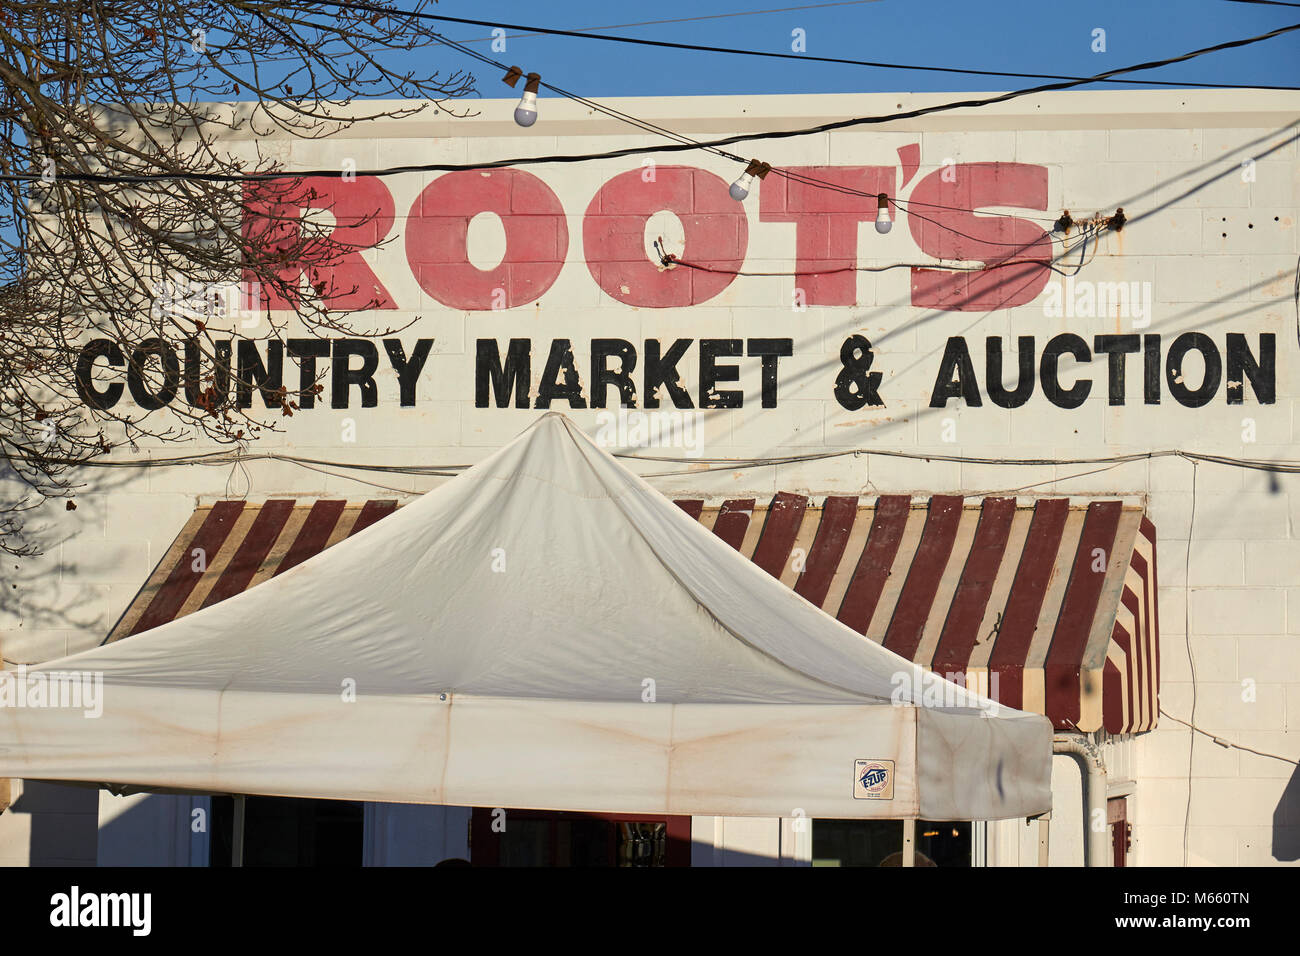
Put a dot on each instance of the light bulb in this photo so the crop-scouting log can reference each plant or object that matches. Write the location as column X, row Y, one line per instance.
column 526, row 111
column 740, row 188
column 883, row 222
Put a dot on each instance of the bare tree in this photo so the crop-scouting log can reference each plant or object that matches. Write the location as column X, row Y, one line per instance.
column 125, row 214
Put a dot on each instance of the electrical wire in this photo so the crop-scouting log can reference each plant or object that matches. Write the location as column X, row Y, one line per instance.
column 644, row 150
column 734, row 51
column 647, row 126
column 904, row 205
column 223, row 458
column 709, row 16
column 1223, row 742
column 668, row 260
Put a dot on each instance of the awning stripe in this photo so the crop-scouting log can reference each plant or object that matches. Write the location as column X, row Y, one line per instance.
column 784, row 517
column 1020, row 618
column 1009, row 563
column 216, row 561
column 837, row 517
column 314, row 534
column 1009, row 600
column 897, row 573
column 872, row 572
column 371, row 512
column 927, row 567
column 833, row 602
column 191, row 565
column 140, row 604
column 1034, row 682
column 693, row 508
column 253, row 549
column 984, row 561
column 733, row 520
column 1079, row 605
column 1145, row 563
column 946, row 591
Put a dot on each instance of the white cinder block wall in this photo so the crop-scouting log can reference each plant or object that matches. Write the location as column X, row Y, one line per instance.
column 1209, row 183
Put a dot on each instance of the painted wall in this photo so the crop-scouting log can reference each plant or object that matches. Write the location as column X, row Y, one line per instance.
column 557, row 259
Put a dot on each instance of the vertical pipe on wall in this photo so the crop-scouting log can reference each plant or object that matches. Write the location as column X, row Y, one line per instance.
column 1095, row 851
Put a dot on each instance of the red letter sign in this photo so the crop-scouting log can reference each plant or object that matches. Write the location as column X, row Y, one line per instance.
column 537, row 238
column 613, row 233
column 363, row 215
column 826, row 230
column 991, row 238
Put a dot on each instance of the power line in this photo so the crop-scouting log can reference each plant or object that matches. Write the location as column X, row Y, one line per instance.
column 710, row 16
column 1223, row 742
column 668, row 260
column 647, row 150
column 701, row 48
column 222, row 458
column 683, row 139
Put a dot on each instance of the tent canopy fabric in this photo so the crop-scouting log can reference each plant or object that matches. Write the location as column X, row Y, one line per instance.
column 1002, row 596
column 544, row 631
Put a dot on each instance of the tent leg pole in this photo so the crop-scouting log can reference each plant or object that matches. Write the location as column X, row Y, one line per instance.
column 237, row 833
column 909, row 842
column 1044, row 834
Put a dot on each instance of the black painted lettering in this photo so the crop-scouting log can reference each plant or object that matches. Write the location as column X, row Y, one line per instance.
column 1242, row 365
column 408, row 370
column 770, row 351
column 1049, row 370
column 560, row 378
column 307, row 351
column 493, row 378
column 1177, row 379
column 1115, row 348
column 137, row 375
column 662, row 370
column 212, row 391
column 343, row 376
column 711, row 373
column 267, row 379
column 956, row 378
column 1024, row 370
column 97, row 398
column 1151, row 369
column 621, row 378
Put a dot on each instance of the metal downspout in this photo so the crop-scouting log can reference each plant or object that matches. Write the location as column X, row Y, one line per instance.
column 1083, row 750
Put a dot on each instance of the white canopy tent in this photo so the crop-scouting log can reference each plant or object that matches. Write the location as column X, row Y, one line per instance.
column 544, row 631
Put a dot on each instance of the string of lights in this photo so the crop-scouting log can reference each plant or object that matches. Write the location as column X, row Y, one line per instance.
column 668, row 260
column 268, row 175
column 526, row 115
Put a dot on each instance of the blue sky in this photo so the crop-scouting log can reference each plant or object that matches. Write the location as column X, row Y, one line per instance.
column 1042, row 36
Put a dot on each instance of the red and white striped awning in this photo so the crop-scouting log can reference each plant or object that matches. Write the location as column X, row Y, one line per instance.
column 1048, row 607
